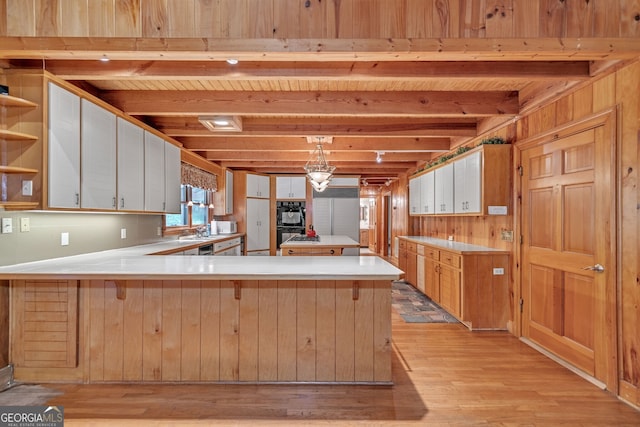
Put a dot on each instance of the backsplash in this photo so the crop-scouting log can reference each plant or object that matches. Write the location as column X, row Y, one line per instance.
column 87, row 232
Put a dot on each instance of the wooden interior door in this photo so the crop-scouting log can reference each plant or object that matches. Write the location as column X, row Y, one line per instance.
column 568, row 223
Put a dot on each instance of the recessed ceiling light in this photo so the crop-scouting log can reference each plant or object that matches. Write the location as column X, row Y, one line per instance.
column 104, row 58
column 222, row 123
column 232, row 61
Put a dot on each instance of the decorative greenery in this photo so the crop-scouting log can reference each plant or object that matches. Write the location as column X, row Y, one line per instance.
column 494, row 140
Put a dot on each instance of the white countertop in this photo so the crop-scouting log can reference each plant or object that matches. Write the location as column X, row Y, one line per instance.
column 453, row 245
column 134, row 263
column 325, row 240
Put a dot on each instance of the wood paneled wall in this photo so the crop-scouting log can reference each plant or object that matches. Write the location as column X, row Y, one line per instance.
column 320, row 19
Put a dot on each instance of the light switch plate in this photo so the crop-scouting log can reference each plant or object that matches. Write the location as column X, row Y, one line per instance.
column 7, row 225
column 123, row 233
column 25, row 225
column 64, row 239
column 498, row 271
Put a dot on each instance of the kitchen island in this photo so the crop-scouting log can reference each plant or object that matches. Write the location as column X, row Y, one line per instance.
column 123, row 316
column 319, row 245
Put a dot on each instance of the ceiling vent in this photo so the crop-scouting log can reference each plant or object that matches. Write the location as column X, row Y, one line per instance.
column 222, row 123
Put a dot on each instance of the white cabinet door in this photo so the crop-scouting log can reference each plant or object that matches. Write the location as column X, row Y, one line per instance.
column 427, row 193
column 153, row 173
column 474, row 182
column 291, row 187
column 444, row 189
column 130, row 166
column 64, row 148
column 414, row 196
column 172, row 178
column 468, row 183
column 257, row 186
column 257, row 224
column 298, row 187
column 228, row 192
column 98, row 157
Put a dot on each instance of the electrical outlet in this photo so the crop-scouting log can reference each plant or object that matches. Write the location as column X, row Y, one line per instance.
column 159, row 231
column 123, row 233
column 7, row 225
column 498, row 271
column 24, row 225
column 64, row 239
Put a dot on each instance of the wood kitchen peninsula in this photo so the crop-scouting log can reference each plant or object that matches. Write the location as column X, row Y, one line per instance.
column 122, row 316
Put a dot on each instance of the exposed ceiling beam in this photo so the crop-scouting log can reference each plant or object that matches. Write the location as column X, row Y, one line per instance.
column 403, row 104
column 284, row 156
column 300, row 144
column 278, row 49
column 299, row 70
column 390, row 127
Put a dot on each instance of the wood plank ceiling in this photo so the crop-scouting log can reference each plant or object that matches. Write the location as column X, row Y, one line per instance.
column 403, row 111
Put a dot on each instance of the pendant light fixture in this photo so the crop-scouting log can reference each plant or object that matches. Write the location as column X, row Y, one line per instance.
column 318, row 170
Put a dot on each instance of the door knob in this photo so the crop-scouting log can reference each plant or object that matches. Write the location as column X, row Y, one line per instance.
column 597, row 268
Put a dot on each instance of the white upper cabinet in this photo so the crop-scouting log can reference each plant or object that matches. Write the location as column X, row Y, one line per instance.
column 427, row 193
column 130, row 166
column 291, row 187
column 64, row 148
column 477, row 182
column 468, row 183
column 444, row 189
column 414, row 196
column 98, row 157
column 154, row 185
column 257, row 186
column 172, row 178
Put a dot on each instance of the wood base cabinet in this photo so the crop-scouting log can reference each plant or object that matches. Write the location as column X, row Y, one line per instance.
column 473, row 286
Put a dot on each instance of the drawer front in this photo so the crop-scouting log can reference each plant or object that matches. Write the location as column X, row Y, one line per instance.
column 431, row 253
column 226, row 244
column 411, row 247
column 402, row 244
column 450, row 259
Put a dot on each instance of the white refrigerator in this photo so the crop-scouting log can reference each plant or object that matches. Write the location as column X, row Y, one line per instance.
column 336, row 211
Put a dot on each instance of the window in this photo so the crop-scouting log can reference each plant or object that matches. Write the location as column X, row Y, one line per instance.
column 195, row 209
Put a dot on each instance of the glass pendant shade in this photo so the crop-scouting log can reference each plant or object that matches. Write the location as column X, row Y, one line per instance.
column 318, row 170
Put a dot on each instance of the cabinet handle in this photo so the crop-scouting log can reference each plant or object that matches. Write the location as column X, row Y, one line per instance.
column 122, row 202
column 77, row 199
column 113, row 202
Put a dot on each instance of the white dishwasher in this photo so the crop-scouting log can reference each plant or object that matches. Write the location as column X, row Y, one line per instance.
column 231, row 247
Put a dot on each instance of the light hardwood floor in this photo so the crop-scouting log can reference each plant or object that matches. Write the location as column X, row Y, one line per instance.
column 443, row 375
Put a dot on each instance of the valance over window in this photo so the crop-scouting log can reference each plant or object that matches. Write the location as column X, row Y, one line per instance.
column 197, row 177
